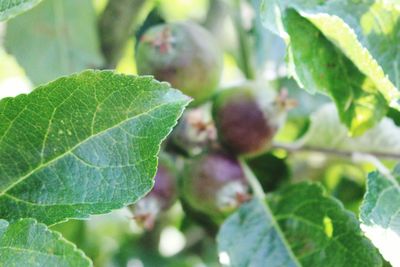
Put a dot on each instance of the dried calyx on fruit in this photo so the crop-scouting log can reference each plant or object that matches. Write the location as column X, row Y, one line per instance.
column 160, row 198
column 214, row 184
column 248, row 116
column 195, row 132
column 183, row 54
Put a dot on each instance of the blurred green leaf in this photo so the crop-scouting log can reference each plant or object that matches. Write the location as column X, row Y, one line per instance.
column 54, row 39
column 298, row 119
column 394, row 115
column 83, row 144
column 268, row 47
column 349, row 192
column 270, row 170
column 28, row 243
column 306, row 103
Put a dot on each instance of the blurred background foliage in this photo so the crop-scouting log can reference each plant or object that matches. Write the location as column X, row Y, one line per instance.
column 250, row 51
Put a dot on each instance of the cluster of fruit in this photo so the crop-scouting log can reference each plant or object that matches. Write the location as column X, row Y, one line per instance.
column 218, row 128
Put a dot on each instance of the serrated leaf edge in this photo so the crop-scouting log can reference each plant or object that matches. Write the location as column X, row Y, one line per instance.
column 23, row 7
column 55, row 234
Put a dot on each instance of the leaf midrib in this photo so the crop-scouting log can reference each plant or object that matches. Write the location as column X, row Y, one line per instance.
column 275, row 225
column 43, row 165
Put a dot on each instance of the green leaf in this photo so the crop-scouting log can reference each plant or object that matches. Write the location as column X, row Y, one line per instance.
column 347, row 49
column 380, row 214
column 12, row 8
column 326, row 132
column 28, row 243
column 250, row 237
column 83, row 144
column 62, row 38
column 305, row 228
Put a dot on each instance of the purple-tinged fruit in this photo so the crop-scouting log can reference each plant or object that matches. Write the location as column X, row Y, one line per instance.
column 247, row 117
column 214, row 184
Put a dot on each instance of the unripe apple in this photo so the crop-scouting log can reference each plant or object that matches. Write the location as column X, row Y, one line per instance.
column 183, row 54
column 214, row 184
column 247, row 118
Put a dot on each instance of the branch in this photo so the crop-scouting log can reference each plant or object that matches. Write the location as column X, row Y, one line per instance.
column 115, row 27
column 336, row 152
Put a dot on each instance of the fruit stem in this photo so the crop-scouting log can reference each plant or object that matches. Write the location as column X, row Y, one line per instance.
column 252, row 179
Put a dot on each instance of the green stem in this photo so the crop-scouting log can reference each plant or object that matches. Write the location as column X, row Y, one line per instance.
column 244, row 44
column 252, row 179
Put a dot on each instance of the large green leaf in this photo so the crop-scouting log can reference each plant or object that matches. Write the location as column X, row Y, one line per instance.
column 380, row 214
column 61, row 37
column 28, row 243
column 11, row 8
column 84, row 144
column 348, row 49
column 305, row 228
